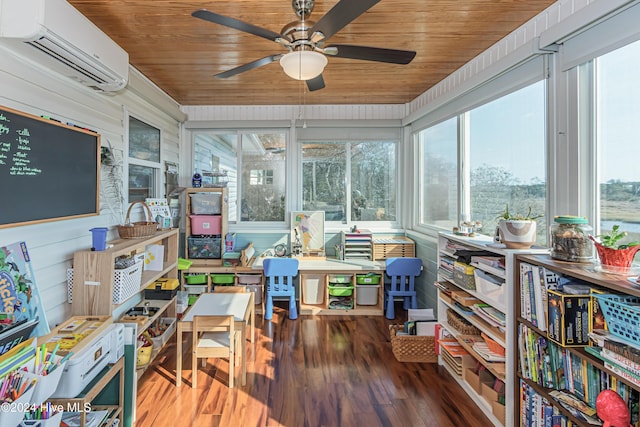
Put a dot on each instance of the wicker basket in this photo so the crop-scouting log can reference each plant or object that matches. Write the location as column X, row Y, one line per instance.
column 139, row 229
column 458, row 323
column 412, row 348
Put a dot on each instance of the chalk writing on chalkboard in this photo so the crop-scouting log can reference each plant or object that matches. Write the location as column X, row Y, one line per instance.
column 48, row 170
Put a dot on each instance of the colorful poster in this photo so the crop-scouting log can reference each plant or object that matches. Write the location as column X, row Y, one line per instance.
column 19, row 295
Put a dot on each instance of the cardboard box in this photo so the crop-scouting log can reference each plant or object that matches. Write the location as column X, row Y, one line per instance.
column 487, row 391
column 475, row 381
column 499, row 411
column 568, row 318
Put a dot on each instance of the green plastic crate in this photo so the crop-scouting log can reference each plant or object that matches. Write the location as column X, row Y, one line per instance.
column 195, row 279
column 368, row 279
column 339, row 278
column 340, row 291
column 221, row 279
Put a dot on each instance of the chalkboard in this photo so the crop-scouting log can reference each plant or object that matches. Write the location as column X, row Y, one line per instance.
column 48, row 170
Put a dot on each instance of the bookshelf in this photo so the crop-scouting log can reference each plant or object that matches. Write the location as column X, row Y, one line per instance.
column 550, row 370
column 492, row 279
column 357, row 245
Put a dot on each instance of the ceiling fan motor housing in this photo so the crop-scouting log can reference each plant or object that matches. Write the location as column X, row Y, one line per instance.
column 303, row 8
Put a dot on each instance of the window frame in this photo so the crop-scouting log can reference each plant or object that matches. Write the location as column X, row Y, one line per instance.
column 156, row 167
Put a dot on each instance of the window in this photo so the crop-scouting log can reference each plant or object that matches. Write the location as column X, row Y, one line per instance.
column 617, row 112
column 507, row 157
column 497, row 149
column 144, row 160
column 254, row 168
column 369, row 193
column 438, row 147
column 263, row 176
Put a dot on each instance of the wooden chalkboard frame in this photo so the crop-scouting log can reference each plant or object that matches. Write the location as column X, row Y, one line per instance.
column 49, row 171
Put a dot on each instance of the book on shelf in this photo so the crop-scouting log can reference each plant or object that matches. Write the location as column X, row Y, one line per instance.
column 535, row 281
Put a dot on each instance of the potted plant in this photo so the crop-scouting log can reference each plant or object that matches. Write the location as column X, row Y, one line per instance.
column 517, row 231
column 615, row 257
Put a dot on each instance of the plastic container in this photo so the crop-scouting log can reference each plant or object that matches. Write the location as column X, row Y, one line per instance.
column 195, row 279
column 195, row 289
column 339, row 278
column 99, row 238
column 203, row 247
column 206, row 224
column 249, row 279
column 367, row 294
column 223, row 279
column 570, row 239
column 257, row 293
column 341, row 290
column 313, row 289
column 206, row 203
column 368, row 279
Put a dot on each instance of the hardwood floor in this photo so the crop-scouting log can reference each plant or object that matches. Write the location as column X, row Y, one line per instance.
column 313, row 371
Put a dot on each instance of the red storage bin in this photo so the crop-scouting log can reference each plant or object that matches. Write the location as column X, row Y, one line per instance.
column 206, row 224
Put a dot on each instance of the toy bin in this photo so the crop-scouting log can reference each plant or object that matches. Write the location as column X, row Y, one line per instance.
column 313, row 288
column 195, row 289
column 257, row 293
column 206, row 224
column 204, row 247
column 195, row 279
column 463, row 275
column 206, row 203
column 223, row 279
column 249, row 279
column 341, row 290
column 367, row 294
column 368, row 279
column 339, row 278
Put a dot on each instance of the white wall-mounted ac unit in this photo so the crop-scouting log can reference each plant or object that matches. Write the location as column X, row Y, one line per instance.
column 55, row 34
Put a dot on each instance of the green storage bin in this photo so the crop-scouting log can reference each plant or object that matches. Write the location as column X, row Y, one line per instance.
column 192, row 299
column 340, row 291
column 222, row 279
column 368, row 279
column 195, row 279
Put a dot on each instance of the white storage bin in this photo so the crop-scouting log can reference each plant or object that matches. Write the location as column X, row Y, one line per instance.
column 46, row 385
column 367, row 294
column 126, row 282
column 161, row 340
column 313, row 288
column 13, row 418
column 196, row 289
column 249, row 279
column 257, row 293
column 490, row 287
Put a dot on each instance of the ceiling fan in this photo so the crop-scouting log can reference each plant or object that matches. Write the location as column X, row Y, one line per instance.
column 305, row 41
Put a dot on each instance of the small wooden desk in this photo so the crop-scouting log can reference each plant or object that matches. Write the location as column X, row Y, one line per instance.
column 240, row 305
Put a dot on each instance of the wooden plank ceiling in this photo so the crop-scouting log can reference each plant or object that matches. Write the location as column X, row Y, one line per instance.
column 180, row 53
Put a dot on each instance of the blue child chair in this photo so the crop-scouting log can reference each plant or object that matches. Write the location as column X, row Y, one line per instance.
column 403, row 272
column 280, row 273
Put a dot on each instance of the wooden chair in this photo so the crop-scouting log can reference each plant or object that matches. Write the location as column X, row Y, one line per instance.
column 403, row 272
column 214, row 336
column 230, row 289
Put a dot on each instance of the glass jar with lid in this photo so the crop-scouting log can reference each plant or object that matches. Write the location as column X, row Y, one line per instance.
column 570, row 239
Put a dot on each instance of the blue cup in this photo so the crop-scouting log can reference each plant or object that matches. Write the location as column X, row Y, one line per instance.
column 99, row 235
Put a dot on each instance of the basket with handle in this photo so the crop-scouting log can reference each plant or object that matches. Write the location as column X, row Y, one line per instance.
column 138, row 229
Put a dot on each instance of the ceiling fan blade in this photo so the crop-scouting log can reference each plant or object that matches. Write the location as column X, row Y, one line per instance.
column 340, row 15
column 392, row 56
column 235, row 24
column 250, row 66
column 315, row 83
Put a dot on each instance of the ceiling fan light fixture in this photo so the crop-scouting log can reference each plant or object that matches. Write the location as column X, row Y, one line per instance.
column 303, row 64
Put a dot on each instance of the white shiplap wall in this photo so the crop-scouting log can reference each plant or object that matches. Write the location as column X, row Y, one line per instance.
column 25, row 86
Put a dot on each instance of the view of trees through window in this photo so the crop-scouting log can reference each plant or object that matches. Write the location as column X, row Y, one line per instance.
column 617, row 112
column 507, row 157
column 504, row 144
column 370, row 192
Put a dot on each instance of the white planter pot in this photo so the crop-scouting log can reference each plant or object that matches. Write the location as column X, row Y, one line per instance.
column 517, row 234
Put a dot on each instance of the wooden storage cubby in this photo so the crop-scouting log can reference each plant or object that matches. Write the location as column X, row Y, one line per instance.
column 224, row 209
column 93, row 273
column 323, row 298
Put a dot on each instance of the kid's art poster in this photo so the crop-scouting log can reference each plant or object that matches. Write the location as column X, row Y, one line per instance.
column 19, row 294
